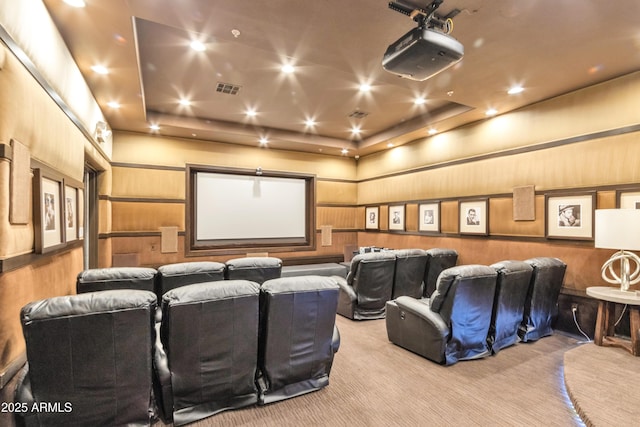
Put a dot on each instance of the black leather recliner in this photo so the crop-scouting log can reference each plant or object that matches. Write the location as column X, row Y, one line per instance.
column 90, row 354
column 408, row 279
column 453, row 324
column 298, row 336
column 541, row 305
column 171, row 276
column 255, row 269
column 508, row 305
column 207, row 349
column 438, row 260
column 103, row 279
column 368, row 286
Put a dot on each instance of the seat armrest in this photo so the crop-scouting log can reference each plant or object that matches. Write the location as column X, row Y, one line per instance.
column 421, row 308
column 346, row 288
column 335, row 341
column 162, row 379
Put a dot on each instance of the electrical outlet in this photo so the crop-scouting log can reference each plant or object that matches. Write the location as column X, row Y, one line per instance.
column 574, row 307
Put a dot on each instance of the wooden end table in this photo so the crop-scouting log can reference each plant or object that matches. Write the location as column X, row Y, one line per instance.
column 605, row 322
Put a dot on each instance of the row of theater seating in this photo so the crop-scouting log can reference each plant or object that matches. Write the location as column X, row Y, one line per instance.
column 377, row 277
column 477, row 310
column 219, row 345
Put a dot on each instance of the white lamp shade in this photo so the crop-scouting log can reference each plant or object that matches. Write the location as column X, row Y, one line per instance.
column 618, row 229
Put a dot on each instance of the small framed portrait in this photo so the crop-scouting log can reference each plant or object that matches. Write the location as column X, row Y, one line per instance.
column 628, row 199
column 474, row 216
column 48, row 211
column 570, row 216
column 396, row 217
column 371, row 220
column 429, row 217
column 70, row 213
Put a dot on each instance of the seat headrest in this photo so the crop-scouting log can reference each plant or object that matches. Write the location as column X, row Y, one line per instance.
column 209, row 291
column 89, row 303
column 254, row 262
column 539, row 262
column 460, row 272
column 299, row 284
column 408, row 253
column 116, row 273
column 441, row 252
column 511, row 266
column 191, row 268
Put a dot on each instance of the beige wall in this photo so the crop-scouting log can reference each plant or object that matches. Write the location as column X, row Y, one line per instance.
column 30, row 116
column 148, row 192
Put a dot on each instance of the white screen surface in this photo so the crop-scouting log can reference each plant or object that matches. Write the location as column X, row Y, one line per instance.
column 233, row 207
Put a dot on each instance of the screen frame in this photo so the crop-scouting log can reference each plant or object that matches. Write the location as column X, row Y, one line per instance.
column 200, row 247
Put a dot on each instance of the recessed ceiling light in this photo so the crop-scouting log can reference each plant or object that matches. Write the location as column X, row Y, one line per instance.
column 75, row 3
column 100, row 69
column 344, row 151
column 355, row 130
column 235, row 32
column 198, row 46
column 185, row 102
column 154, row 126
column 288, row 68
column 432, row 131
column 264, row 140
column 251, row 112
column 491, row 112
column 390, row 144
column 365, row 87
column 310, row 123
column 515, row 90
column 113, row 104
column 419, row 100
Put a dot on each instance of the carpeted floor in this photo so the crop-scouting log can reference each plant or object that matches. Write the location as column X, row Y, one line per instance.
column 375, row 383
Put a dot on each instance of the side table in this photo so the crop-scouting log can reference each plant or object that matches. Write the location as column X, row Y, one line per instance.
column 605, row 322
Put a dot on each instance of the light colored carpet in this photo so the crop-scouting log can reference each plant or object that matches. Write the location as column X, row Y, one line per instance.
column 604, row 385
column 376, row 383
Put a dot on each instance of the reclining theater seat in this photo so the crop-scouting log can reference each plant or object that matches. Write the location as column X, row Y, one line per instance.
column 453, row 324
column 255, row 269
column 541, row 305
column 368, row 286
column 103, row 279
column 207, row 349
column 173, row 276
column 92, row 353
column 409, row 273
column 508, row 305
column 298, row 336
column 438, row 259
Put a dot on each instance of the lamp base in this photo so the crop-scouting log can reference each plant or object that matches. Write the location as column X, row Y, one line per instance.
column 626, row 278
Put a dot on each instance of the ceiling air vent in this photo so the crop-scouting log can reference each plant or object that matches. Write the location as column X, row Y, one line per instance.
column 357, row 114
column 227, row 88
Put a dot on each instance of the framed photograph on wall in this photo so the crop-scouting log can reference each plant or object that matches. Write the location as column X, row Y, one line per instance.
column 429, row 217
column 371, row 220
column 70, row 213
column 570, row 216
column 48, row 211
column 474, row 217
column 628, row 199
column 396, row 217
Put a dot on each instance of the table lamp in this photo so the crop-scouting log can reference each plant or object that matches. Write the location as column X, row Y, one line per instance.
column 619, row 229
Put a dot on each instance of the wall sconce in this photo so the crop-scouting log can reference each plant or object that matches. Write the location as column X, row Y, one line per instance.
column 619, row 229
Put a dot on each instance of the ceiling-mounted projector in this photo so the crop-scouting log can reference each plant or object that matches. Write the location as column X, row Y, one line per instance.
column 422, row 53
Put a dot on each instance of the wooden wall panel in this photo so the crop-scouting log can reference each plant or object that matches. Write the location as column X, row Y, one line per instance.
column 338, row 217
column 148, row 183
column 570, row 166
column 597, row 108
column 411, row 217
column 449, row 217
column 336, row 192
column 130, row 216
column 501, row 219
column 606, row 200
